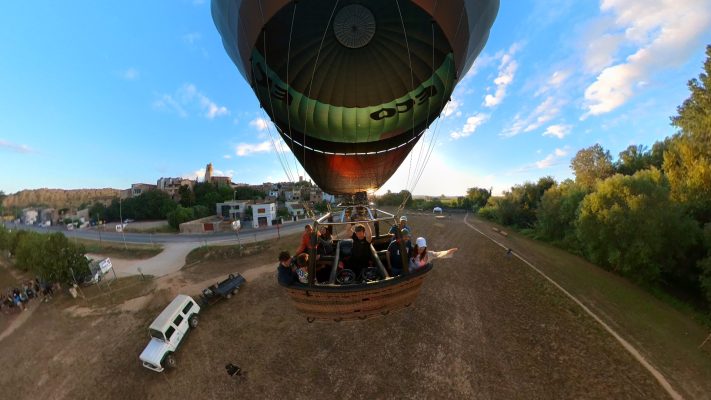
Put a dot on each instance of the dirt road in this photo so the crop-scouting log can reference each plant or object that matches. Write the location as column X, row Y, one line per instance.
column 485, row 326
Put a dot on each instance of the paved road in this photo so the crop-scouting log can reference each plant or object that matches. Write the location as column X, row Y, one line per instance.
column 246, row 234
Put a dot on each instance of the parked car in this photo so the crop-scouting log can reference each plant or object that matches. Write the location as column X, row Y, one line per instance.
column 167, row 332
column 225, row 289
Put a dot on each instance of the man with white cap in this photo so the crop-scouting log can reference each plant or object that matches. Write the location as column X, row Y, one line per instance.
column 402, row 225
column 421, row 256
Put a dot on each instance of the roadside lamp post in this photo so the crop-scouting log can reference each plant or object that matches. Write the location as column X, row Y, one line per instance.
column 121, row 223
column 236, row 226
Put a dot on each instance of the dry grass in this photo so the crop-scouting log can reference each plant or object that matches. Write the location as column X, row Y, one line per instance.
column 484, row 326
column 130, row 251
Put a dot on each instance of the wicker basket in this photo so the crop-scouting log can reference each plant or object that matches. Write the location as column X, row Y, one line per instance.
column 343, row 303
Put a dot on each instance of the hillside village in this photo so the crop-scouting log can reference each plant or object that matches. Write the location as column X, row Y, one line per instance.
column 257, row 205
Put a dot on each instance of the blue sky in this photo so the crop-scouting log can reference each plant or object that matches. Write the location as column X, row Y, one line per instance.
column 104, row 94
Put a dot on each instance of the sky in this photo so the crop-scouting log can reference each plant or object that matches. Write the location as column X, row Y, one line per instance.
column 98, row 94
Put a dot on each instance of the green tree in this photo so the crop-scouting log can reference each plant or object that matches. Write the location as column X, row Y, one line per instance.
column 591, row 164
column 179, row 215
column 687, row 162
column 5, row 240
column 630, row 225
column 30, row 251
column 63, row 260
column 395, row 199
column 187, row 197
column 97, row 211
column 478, row 197
column 247, row 193
column 518, row 206
column 558, row 211
column 2, row 200
column 202, row 211
column 632, row 159
column 704, row 265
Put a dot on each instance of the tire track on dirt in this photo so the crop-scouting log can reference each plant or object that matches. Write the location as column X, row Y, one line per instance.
column 625, row 344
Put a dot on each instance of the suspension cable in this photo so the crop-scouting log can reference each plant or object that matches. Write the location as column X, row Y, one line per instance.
column 412, row 82
column 254, row 86
column 435, row 133
column 288, row 84
column 313, row 74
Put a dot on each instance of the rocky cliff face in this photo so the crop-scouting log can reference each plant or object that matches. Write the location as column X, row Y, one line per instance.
column 59, row 198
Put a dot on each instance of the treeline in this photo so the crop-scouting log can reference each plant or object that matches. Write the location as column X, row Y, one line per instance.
column 51, row 257
column 194, row 203
column 647, row 215
column 475, row 199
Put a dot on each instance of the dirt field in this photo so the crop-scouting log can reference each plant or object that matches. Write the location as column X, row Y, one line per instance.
column 484, row 326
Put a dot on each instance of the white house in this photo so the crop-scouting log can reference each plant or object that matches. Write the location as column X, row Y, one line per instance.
column 295, row 208
column 232, row 210
column 263, row 214
column 292, row 195
column 29, row 216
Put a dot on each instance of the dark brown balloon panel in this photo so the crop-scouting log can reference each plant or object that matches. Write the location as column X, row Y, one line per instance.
column 352, row 85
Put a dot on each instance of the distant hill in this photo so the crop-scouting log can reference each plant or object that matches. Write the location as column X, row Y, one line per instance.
column 59, row 198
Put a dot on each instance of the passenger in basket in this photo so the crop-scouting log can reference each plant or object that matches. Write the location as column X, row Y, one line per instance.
column 402, row 225
column 360, row 254
column 302, row 268
column 286, row 272
column 394, row 256
column 305, row 244
column 325, row 242
column 421, row 256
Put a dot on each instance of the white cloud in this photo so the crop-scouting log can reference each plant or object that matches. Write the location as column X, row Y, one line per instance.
column 544, row 112
column 167, row 101
column 227, row 156
column 663, row 33
column 507, row 71
column 470, row 126
column 192, row 37
column 601, row 50
column 559, row 131
column 189, row 97
column 482, row 61
column 451, row 107
column 558, row 78
column 14, row 147
column 555, row 81
column 260, row 123
column 130, row 74
column 245, row 149
column 551, row 159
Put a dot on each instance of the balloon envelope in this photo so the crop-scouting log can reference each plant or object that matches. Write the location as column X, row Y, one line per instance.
column 352, row 85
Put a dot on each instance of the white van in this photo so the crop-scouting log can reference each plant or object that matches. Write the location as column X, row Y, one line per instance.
column 167, row 331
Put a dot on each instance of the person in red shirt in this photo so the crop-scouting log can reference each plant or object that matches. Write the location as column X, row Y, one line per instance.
column 305, row 244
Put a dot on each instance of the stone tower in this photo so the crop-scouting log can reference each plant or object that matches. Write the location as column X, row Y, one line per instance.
column 208, row 173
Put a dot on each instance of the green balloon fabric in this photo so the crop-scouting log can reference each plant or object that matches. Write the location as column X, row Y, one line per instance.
column 352, row 85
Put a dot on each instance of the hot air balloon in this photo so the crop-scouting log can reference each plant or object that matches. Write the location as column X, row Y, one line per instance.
column 351, row 86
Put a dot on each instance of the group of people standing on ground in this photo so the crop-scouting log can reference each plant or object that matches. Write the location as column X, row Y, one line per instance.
column 19, row 298
column 359, row 255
